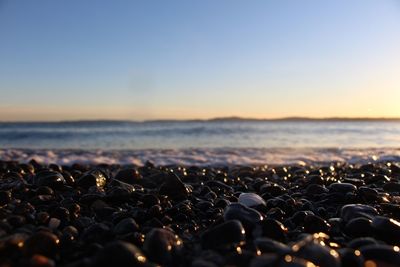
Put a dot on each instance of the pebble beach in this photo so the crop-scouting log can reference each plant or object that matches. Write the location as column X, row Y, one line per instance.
column 329, row 215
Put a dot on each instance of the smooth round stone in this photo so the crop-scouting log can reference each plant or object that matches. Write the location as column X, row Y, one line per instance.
column 125, row 226
column 94, row 178
column 43, row 243
column 247, row 216
column 97, row 233
column 50, row 178
column 272, row 189
column 316, row 189
column 381, row 255
column 358, row 227
column 312, row 249
column 162, row 246
column 342, row 187
column 129, row 176
column 351, row 211
column 224, row 235
column 299, row 216
column 173, row 187
column 271, row 228
column 386, row 229
column 251, row 200
column 121, row 254
column 315, row 224
column 367, row 193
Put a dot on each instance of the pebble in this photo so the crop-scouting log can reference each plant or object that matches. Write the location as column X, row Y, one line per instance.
column 50, row 178
column 173, row 187
column 342, row 187
column 225, row 234
column 251, row 200
column 42, row 243
column 358, row 227
column 386, row 229
column 129, row 176
column 162, row 246
column 352, row 211
column 313, row 248
column 247, row 216
column 94, row 178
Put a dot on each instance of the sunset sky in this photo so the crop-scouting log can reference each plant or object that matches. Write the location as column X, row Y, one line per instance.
column 74, row 59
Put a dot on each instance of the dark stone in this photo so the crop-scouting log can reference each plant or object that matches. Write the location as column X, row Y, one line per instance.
column 94, row 178
column 271, row 228
column 342, row 188
column 272, row 189
column 351, row 211
column 299, row 216
column 386, row 229
column 310, row 248
column 173, row 187
column 247, row 216
column 43, row 243
column 316, row 189
column 50, row 178
column 225, row 234
column 129, row 176
column 162, row 246
column 358, row 227
column 315, row 224
column 126, row 226
column 367, row 193
column 97, row 233
column 251, row 200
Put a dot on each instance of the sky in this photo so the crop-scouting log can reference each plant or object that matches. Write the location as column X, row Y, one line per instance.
column 139, row 60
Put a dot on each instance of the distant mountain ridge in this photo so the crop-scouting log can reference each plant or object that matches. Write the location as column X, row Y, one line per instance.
column 217, row 119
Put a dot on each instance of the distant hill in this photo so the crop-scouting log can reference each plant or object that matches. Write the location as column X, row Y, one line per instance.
column 218, row 119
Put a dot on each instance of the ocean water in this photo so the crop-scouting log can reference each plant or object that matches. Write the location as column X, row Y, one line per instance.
column 201, row 142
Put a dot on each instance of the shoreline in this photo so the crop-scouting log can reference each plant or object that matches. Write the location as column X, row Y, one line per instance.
column 206, row 156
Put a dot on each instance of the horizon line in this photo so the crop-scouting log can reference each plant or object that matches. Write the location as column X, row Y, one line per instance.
column 214, row 119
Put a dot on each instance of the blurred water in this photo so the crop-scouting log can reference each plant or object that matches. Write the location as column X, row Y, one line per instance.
column 182, row 135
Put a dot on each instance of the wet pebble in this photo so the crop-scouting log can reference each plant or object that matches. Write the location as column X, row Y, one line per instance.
column 251, row 200
column 225, row 234
column 247, row 216
column 162, row 246
column 352, row 211
column 386, row 229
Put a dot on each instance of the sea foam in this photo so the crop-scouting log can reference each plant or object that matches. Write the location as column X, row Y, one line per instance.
column 205, row 156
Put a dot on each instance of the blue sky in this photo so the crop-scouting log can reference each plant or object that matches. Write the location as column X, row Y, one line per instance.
column 198, row 59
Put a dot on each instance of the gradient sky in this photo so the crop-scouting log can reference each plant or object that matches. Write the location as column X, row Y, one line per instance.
column 75, row 59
